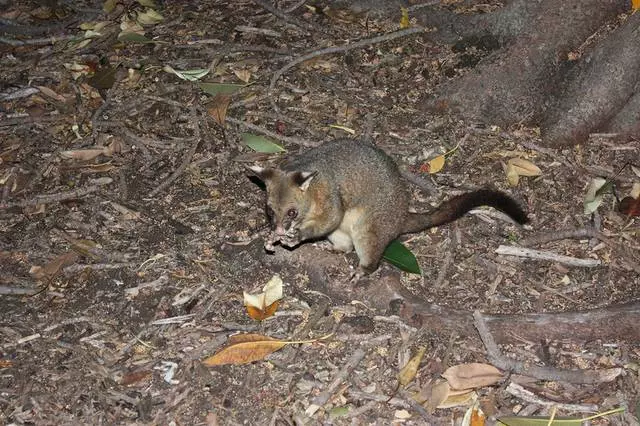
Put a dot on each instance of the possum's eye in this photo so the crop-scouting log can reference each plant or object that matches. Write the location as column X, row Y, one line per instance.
column 292, row 213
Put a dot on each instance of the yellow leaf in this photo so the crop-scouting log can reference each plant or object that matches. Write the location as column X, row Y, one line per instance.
column 436, row 164
column 404, row 20
column 409, row 371
column 343, row 128
column 472, row 375
column 245, row 348
column 635, row 5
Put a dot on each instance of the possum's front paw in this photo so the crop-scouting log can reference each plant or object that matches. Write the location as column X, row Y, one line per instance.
column 290, row 241
column 269, row 244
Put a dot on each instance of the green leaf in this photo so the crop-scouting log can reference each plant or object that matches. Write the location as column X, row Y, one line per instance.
column 398, row 255
column 128, row 37
column 220, row 88
column 261, row 144
column 539, row 421
column 189, row 75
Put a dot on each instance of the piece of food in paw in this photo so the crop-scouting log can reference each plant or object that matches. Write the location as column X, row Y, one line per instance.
column 269, row 244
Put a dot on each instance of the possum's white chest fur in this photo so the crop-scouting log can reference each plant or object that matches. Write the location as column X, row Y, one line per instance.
column 342, row 238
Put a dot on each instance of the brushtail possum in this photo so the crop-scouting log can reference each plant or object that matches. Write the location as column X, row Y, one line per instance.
column 352, row 193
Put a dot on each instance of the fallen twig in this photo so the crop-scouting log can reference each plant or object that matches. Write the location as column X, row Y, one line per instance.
column 287, row 139
column 61, row 196
column 337, row 49
column 186, row 160
column 526, row 395
column 283, row 15
column 541, row 373
column 347, row 369
column 559, row 235
column 6, row 290
column 545, row 255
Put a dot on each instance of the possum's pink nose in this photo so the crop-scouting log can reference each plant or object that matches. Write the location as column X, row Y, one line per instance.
column 280, row 230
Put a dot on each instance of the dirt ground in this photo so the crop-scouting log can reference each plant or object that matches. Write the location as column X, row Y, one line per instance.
column 138, row 257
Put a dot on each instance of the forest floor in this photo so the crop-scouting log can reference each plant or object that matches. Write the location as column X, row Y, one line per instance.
column 129, row 228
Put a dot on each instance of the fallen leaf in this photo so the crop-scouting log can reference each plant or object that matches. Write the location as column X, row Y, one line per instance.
column 263, row 305
column 409, row 371
column 135, row 377
column 51, row 94
column 635, row 190
column 220, row 88
column 131, row 37
column 404, row 20
column 635, row 5
column 103, row 78
column 472, row 375
column 219, row 109
column 53, row 268
column 436, row 164
column 593, row 198
column 188, row 75
column 261, row 144
column 82, row 154
column 437, row 394
column 629, row 206
column 400, row 256
column 459, row 399
column 109, row 5
column 243, row 75
column 245, row 348
column 149, row 17
column 148, row 3
column 517, row 167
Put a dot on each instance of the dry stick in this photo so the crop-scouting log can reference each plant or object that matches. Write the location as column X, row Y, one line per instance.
column 337, row 49
column 322, row 399
column 540, row 373
column 282, row 15
column 426, row 185
column 61, row 196
column 38, row 41
column 526, row 395
column 574, row 234
column 17, row 291
column 287, row 139
column 546, row 255
column 185, row 162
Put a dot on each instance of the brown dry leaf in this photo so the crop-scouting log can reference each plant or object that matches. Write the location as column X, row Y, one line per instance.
column 409, row 371
column 517, row 167
column 51, row 269
column 243, row 74
column 263, row 305
column 82, row 154
column 439, row 391
column 219, row 109
column 135, row 377
column 245, row 348
column 51, row 94
column 472, row 375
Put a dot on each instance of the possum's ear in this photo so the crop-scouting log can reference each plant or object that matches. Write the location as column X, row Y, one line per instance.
column 303, row 179
column 263, row 173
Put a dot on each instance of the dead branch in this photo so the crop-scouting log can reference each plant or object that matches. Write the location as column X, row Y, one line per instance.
column 269, row 133
column 338, row 49
column 61, row 196
column 186, row 160
column 545, row 255
column 345, row 371
column 540, row 373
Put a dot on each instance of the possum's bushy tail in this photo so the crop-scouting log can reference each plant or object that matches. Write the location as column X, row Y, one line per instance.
column 458, row 206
